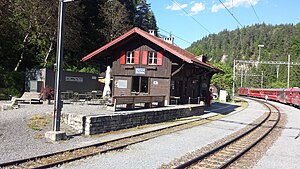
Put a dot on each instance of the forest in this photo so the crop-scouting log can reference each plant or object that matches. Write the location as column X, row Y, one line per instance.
column 29, row 34
column 278, row 42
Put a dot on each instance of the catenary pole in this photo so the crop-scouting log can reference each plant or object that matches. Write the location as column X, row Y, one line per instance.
column 58, row 68
column 288, row 75
column 262, row 79
column 233, row 79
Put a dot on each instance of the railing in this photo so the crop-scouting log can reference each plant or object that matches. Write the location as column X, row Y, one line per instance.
column 70, row 96
column 194, row 100
column 130, row 101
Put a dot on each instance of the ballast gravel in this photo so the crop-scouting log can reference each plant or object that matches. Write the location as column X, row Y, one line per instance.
column 285, row 152
column 155, row 152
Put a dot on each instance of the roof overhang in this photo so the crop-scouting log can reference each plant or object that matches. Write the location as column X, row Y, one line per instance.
column 175, row 50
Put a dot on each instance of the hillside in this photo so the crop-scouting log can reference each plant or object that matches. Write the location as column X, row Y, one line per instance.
column 279, row 41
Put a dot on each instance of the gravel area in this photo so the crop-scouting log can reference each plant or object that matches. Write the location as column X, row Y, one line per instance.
column 285, row 152
column 19, row 141
column 153, row 153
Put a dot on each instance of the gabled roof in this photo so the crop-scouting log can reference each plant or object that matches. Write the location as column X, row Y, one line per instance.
column 175, row 50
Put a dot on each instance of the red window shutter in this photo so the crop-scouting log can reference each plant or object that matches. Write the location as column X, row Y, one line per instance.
column 136, row 57
column 145, row 58
column 122, row 58
column 159, row 58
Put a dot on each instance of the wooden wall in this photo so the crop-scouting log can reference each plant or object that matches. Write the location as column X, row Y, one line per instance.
column 160, row 86
column 191, row 81
column 159, row 75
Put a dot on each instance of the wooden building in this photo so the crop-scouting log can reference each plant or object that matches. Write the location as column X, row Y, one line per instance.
column 145, row 65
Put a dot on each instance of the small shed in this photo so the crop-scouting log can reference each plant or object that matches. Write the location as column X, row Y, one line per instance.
column 37, row 79
column 145, row 65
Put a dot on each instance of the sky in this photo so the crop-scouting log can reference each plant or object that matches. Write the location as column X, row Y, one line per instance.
column 192, row 20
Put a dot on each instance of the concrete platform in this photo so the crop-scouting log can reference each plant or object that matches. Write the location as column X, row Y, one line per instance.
column 90, row 123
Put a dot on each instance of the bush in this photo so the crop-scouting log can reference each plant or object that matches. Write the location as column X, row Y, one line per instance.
column 11, row 83
column 47, row 93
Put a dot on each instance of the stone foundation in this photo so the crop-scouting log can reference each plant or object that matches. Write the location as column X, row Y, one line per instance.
column 95, row 124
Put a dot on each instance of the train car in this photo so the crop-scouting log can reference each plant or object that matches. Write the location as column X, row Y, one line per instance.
column 295, row 96
column 287, row 96
column 243, row 91
column 281, row 93
column 254, row 92
column 272, row 94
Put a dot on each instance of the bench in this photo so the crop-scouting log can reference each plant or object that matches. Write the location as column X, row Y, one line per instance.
column 30, row 97
column 130, row 101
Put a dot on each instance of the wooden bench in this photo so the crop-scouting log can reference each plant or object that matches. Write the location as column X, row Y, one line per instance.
column 29, row 97
column 130, row 101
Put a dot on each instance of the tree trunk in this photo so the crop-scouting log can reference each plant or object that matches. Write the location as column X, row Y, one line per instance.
column 47, row 55
column 22, row 54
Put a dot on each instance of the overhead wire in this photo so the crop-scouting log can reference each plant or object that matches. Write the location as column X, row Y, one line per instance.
column 254, row 12
column 175, row 36
column 231, row 14
column 174, row 1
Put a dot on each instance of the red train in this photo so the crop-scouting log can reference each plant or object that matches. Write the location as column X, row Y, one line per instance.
column 288, row 96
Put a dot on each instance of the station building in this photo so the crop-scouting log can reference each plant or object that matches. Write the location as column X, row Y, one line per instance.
column 145, row 65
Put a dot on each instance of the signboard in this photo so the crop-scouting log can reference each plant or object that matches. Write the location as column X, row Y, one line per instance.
column 140, row 71
column 74, row 79
column 223, row 95
column 122, row 84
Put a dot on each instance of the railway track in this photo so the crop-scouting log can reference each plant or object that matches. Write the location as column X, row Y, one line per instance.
column 58, row 158
column 227, row 153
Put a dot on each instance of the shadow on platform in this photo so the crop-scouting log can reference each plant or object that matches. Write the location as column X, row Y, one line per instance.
column 221, row 108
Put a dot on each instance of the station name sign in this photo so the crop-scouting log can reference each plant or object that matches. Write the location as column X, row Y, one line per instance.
column 74, row 79
column 140, row 71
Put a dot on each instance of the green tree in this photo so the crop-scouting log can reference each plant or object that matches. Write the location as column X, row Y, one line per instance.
column 223, row 81
column 114, row 25
column 144, row 17
column 242, row 44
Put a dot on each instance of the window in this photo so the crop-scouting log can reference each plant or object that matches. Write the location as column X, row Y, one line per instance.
column 139, row 84
column 130, row 57
column 152, row 58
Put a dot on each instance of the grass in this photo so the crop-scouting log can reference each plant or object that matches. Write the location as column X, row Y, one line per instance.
column 38, row 122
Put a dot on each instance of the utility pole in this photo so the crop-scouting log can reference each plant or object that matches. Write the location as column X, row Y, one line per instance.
column 288, row 76
column 242, row 76
column 277, row 71
column 262, row 79
column 56, row 134
column 233, row 82
column 259, row 46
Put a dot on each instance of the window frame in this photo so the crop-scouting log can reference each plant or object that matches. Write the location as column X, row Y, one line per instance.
column 129, row 59
column 152, row 58
column 137, row 82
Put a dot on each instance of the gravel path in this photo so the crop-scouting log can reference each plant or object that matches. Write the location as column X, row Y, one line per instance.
column 18, row 141
column 155, row 152
column 285, row 152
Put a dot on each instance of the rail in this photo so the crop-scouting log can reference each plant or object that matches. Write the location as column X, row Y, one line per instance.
column 204, row 159
column 73, row 154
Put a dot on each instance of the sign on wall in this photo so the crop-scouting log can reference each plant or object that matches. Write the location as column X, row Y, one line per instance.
column 122, row 84
column 74, row 79
column 140, row 71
